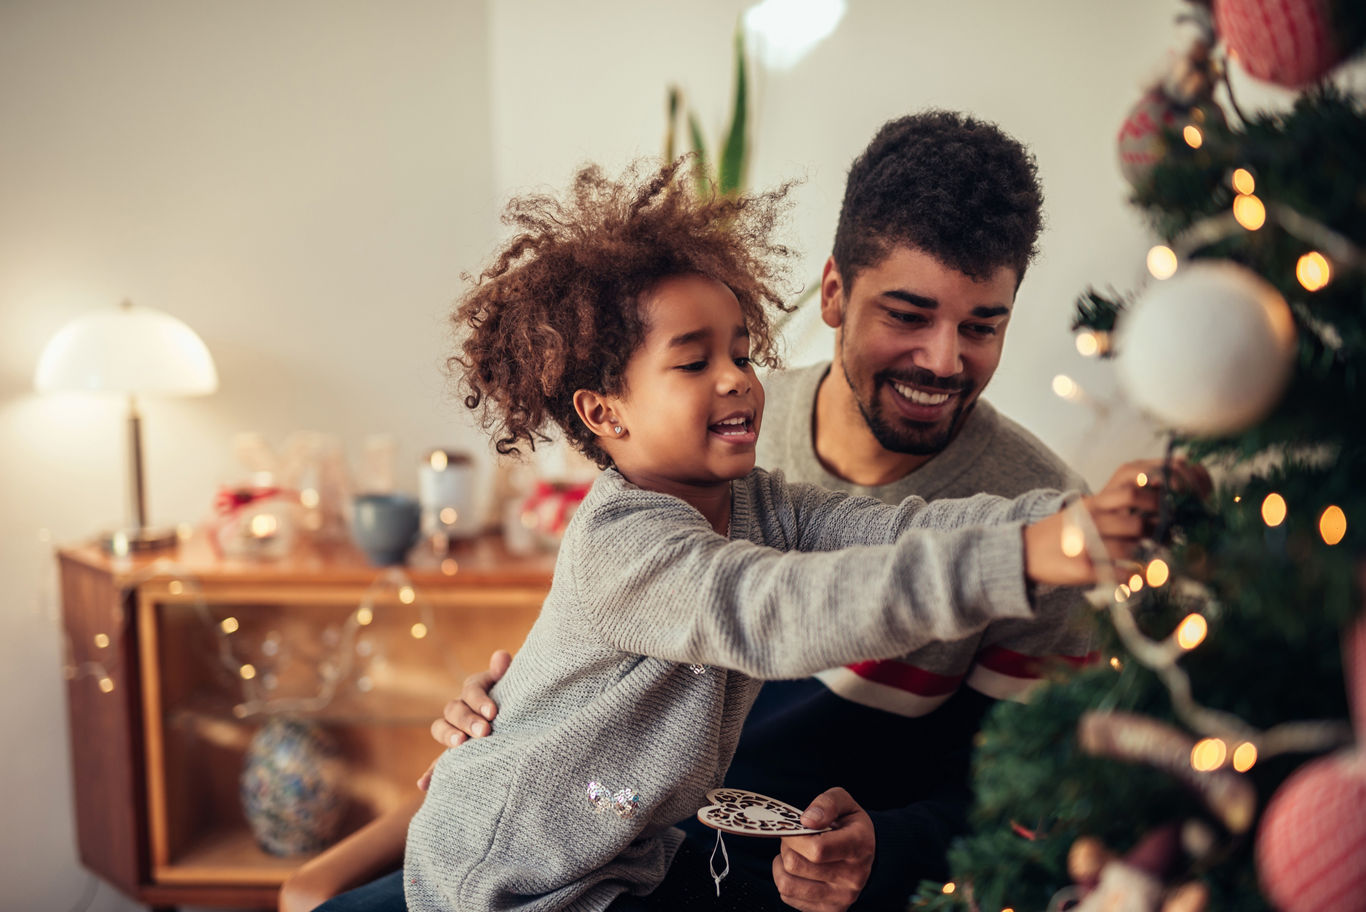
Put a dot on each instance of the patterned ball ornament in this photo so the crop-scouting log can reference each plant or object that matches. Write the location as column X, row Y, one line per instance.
column 291, row 787
column 1287, row 42
column 1311, row 847
column 1140, row 142
column 1208, row 351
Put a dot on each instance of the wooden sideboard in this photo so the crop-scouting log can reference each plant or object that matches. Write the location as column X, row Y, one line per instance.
column 174, row 661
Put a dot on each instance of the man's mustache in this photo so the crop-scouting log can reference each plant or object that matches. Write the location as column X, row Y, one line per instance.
column 927, row 379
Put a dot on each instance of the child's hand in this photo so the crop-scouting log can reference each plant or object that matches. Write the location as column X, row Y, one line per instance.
column 470, row 715
column 1123, row 512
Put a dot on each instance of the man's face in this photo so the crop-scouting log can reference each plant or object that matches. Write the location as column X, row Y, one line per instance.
column 917, row 341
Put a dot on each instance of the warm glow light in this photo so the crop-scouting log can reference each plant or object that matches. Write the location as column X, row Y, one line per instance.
column 1142, row 480
column 1193, row 137
column 1162, row 262
column 1208, row 754
column 1065, row 387
column 364, row 615
column 1088, row 345
column 438, row 460
column 1243, row 182
column 1192, row 631
column 247, row 671
column 101, row 641
column 1249, row 212
column 106, row 684
column 1237, row 498
column 1135, row 583
column 448, row 516
column 1122, row 593
column 1333, row 525
column 949, row 887
column 263, row 525
column 175, row 587
column 1313, row 271
column 310, row 498
column 419, row 630
column 1116, row 664
column 1073, row 540
column 449, row 566
column 1244, row 756
column 406, row 595
column 1157, row 572
column 1273, row 510
column 229, row 625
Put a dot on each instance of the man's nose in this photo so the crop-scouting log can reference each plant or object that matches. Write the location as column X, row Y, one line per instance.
column 940, row 354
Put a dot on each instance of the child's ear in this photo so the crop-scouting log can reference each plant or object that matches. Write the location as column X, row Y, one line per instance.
column 597, row 413
column 832, row 295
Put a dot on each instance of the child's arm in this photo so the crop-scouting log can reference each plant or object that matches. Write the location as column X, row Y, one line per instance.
column 654, row 579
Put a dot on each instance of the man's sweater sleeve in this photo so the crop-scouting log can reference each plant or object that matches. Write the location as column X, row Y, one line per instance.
column 654, row 579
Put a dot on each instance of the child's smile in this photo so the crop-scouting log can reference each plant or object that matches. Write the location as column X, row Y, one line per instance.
column 692, row 407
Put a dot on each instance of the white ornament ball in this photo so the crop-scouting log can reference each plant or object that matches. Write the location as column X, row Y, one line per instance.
column 1208, row 351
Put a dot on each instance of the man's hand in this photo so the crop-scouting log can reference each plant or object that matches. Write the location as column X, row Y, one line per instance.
column 826, row 872
column 471, row 714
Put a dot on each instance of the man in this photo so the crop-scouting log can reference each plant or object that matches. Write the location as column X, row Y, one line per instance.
column 940, row 220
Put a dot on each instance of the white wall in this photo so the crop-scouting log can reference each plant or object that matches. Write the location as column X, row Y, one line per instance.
column 302, row 183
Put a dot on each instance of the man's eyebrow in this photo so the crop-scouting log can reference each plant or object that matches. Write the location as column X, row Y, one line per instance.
column 986, row 312
column 912, row 298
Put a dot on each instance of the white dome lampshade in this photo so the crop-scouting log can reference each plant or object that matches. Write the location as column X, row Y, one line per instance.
column 135, row 351
column 130, row 349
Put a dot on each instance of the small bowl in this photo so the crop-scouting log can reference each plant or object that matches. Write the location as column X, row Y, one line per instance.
column 385, row 526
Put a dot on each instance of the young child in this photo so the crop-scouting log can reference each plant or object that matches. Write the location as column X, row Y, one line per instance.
column 631, row 315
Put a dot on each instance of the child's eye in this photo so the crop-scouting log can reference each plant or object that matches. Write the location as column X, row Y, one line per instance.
column 743, row 361
column 693, row 367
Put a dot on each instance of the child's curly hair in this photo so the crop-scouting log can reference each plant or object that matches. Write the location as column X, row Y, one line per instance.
column 559, row 309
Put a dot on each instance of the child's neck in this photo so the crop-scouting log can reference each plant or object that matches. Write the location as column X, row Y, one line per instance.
column 711, row 500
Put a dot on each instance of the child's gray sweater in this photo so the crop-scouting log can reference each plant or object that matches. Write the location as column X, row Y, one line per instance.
column 604, row 689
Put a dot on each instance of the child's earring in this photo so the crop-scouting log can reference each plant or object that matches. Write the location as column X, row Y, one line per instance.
column 618, row 429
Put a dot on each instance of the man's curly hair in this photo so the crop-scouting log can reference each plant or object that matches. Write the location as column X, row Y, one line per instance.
column 955, row 187
column 560, row 308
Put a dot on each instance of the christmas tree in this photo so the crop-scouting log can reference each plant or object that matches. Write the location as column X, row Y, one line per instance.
column 1210, row 760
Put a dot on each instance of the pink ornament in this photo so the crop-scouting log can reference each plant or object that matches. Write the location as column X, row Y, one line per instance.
column 1311, row 847
column 1288, row 42
column 1141, row 143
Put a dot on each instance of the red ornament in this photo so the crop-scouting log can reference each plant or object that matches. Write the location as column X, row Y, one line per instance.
column 1288, row 42
column 1311, row 847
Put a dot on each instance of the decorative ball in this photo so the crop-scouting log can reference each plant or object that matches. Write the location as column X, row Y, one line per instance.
column 1288, row 42
column 1140, row 142
column 291, row 787
column 1311, row 847
column 1207, row 351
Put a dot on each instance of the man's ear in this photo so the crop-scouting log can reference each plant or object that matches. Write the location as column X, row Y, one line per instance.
column 596, row 412
column 832, row 295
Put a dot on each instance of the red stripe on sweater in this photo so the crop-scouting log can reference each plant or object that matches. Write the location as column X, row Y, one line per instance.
column 907, row 677
column 1018, row 665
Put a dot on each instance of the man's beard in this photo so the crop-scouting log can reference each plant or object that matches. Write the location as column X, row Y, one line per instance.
column 898, row 435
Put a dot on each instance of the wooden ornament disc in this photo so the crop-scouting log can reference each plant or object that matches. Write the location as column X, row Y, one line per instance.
column 751, row 814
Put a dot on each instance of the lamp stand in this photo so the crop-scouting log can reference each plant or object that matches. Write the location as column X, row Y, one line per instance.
column 139, row 537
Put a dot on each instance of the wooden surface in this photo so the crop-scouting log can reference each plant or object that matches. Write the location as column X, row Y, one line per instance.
column 156, row 762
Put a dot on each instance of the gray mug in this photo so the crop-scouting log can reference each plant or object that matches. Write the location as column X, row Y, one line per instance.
column 385, row 526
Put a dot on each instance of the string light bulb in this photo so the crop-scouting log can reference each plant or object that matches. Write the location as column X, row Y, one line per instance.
column 418, row 630
column 247, row 671
column 1088, row 344
column 1158, row 572
column 450, row 567
column 1312, row 271
column 949, row 888
column 439, row 460
column 1193, row 137
column 175, row 587
column 365, row 615
column 1249, row 212
column 1135, row 583
column 1274, row 510
column 106, row 684
column 101, row 641
column 1243, row 182
column 448, row 516
column 406, row 595
column 1162, row 262
column 1333, row 525
column 1073, row 540
column 1244, row 756
column 1208, row 754
column 1191, row 632
column 1064, row 387
column 229, row 625
column 1116, row 663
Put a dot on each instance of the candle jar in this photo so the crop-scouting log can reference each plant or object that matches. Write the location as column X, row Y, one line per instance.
column 445, row 485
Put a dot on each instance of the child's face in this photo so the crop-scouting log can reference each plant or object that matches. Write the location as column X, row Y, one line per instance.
column 692, row 405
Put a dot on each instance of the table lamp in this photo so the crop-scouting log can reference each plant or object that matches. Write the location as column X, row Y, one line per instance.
column 133, row 350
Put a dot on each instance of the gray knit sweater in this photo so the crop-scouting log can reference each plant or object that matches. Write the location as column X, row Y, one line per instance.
column 605, row 690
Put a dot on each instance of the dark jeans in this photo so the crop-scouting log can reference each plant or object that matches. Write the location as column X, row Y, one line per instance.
column 686, row 887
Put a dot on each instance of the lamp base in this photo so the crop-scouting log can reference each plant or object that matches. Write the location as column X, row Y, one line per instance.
column 137, row 541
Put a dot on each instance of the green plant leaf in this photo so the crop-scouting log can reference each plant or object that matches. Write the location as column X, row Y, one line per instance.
column 734, row 155
column 701, row 167
column 673, row 100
